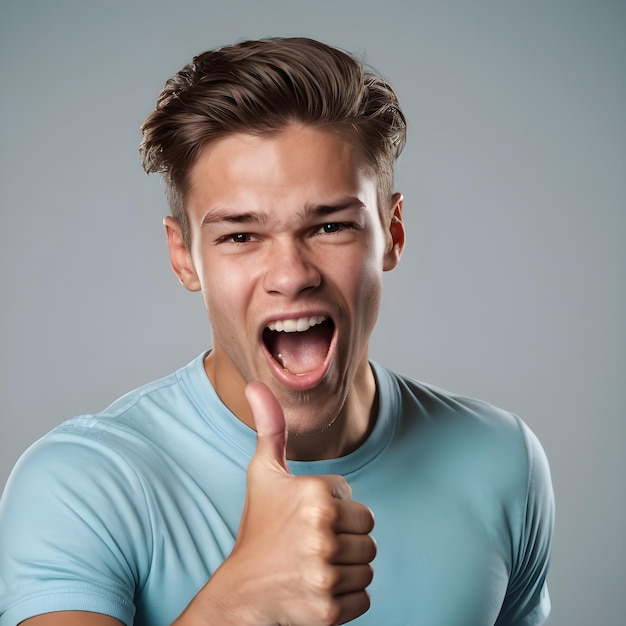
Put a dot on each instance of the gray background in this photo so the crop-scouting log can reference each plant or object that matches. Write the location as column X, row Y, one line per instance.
column 513, row 284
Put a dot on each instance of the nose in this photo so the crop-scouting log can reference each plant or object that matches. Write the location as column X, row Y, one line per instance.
column 289, row 269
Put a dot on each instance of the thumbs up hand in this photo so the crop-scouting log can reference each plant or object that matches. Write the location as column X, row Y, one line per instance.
column 303, row 551
column 271, row 430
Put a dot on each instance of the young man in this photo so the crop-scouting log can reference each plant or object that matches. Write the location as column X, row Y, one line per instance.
column 168, row 507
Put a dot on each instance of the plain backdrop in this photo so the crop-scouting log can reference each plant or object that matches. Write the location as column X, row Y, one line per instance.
column 513, row 283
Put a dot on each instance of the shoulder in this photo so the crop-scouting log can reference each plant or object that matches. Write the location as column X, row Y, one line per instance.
column 77, row 505
column 102, row 454
column 466, row 433
column 489, row 461
column 140, row 417
column 72, row 510
column 435, row 406
column 156, row 396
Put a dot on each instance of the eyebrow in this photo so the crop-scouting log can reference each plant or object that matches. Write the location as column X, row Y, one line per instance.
column 343, row 204
column 215, row 215
column 229, row 216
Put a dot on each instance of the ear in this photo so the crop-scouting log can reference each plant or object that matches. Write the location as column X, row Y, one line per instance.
column 395, row 235
column 180, row 257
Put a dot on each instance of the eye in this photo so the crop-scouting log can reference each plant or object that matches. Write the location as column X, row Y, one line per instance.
column 332, row 227
column 236, row 238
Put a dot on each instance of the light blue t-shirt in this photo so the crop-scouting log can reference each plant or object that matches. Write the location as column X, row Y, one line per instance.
column 129, row 512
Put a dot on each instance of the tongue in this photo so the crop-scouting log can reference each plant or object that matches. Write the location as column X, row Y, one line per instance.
column 301, row 352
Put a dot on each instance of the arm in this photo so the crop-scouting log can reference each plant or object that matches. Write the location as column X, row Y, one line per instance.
column 527, row 602
column 302, row 553
column 303, row 549
column 65, row 530
column 71, row 618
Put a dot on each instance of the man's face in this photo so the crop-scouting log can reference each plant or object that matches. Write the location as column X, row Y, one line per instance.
column 288, row 247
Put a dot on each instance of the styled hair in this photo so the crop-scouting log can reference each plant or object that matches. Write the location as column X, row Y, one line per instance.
column 259, row 87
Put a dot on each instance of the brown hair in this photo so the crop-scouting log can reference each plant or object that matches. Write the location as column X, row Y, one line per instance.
column 259, row 87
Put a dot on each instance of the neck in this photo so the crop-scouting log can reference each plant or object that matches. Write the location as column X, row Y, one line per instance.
column 354, row 418
column 347, row 431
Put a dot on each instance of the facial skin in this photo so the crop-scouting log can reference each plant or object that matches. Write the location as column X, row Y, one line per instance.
column 287, row 227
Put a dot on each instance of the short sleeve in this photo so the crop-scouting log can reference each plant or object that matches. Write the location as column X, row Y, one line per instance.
column 527, row 601
column 70, row 532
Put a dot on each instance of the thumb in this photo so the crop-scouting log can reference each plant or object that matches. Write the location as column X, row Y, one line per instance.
column 269, row 421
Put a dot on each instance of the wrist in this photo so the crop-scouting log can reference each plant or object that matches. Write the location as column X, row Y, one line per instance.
column 219, row 602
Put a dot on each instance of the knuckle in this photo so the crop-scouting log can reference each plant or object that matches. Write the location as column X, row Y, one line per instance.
column 314, row 486
column 323, row 579
column 342, row 489
column 329, row 612
column 323, row 546
column 320, row 515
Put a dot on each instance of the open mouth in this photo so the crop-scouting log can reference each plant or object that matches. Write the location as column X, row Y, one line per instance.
column 299, row 345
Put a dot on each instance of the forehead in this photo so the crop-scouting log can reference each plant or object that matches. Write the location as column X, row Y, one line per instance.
column 296, row 165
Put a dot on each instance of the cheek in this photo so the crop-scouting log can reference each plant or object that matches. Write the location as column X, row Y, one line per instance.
column 373, row 296
column 371, row 281
column 228, row 291
column 223, row 283
column 220, row 299
column 366, row 283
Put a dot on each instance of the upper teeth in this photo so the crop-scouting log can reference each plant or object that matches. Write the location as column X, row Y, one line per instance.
column 297, row 325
